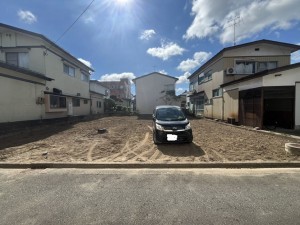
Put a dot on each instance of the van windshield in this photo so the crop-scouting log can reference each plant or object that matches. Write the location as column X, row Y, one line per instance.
column 169, row 114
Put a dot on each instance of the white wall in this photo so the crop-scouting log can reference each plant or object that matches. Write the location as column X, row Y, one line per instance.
column 97, row 98
column 95, row 87
column 245, row 85
column 297, row 106
column 284, row 78
column 231, row 104
column 148, row 92
column 18, row 100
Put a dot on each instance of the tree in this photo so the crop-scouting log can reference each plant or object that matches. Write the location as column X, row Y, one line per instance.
column 109, row 104
column 169, row 98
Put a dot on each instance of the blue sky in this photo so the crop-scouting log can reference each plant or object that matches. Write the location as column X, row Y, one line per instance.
column 131, row 38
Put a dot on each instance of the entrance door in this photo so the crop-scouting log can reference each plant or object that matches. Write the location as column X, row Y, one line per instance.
column 70, row 108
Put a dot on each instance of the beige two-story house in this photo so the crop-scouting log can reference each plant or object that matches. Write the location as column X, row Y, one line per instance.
column 209, row 98
column 39, row 79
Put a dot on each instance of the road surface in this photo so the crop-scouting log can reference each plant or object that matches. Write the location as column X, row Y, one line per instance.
column 150, row 196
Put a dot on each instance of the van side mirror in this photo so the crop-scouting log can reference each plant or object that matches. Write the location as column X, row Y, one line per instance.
column 153, row 117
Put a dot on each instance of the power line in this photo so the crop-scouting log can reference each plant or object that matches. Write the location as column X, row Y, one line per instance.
column 63, row 34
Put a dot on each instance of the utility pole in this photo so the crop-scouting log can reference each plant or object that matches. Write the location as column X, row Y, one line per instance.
column 235, row 21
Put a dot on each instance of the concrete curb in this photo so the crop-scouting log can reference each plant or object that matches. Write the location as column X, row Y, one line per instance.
column 225, row 165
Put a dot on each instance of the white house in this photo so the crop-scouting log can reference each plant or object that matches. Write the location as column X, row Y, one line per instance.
column 98, row 94
column 154, row 89
column 39, row 79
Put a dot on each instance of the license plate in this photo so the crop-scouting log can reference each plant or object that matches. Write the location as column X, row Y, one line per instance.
column 171, row 137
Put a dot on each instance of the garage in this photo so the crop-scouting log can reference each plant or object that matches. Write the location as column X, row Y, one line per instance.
column 279, row 107
column 250, row 107
column 267, row 107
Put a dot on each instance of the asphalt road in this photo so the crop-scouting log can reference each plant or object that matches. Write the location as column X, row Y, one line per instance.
column 148, row 196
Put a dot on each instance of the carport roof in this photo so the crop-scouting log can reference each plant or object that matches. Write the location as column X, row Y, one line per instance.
column 262, row 73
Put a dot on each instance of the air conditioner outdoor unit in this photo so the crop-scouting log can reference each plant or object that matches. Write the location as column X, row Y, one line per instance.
column 230, row 71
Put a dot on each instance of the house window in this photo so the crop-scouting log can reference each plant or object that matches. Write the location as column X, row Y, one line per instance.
column 208, row 75
column 261, row 66
column 85, row 101
column 244, row 67
column 217, row 92
column 76, row 102
column 192, row 86
column 200, row 78
column 69, row 70
column 84, row 77
column 99, row 104
column 203, row 77
column 200, row 104
column 19, row 59
column 57, row 102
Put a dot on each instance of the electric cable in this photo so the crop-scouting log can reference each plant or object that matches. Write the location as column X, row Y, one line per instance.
column 63, row 34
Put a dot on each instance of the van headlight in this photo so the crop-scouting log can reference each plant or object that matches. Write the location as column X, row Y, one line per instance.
column 159, row 127
column 188, row 126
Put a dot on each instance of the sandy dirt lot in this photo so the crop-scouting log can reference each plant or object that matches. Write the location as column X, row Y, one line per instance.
column 129, row 139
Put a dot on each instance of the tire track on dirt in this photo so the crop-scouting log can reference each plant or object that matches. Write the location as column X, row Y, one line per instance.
column 113, row 156
column 125, row 151
column 205, row 153
column 132, row 153
column 90, row 152
column 142, row 155
column 219, row 155
column 155, row 155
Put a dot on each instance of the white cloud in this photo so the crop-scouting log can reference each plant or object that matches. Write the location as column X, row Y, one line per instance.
column 198, row 59
column 117, row 76
column 179, row 91
column 183, row 78
column 166, row 51
column 27, row 16
column 147, row 34
column 89, row 19
column 163, row 72
column 87, row 63
column 277, row 34
column 255, row 16
column 295, row 57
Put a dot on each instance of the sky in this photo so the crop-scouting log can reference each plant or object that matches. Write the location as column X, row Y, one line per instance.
column 132, row 38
